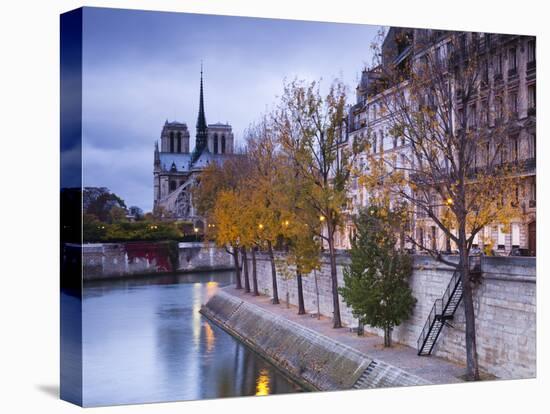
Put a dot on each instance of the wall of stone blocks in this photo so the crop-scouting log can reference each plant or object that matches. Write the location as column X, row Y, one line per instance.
column 107, row 260
column 505, row 307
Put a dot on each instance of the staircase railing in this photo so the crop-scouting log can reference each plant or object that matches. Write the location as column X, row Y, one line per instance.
column 440, row 309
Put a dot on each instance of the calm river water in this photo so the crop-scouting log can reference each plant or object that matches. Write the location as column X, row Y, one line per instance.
column 145, row 341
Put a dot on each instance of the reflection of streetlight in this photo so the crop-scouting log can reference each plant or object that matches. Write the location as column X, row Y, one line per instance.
column 286, row 223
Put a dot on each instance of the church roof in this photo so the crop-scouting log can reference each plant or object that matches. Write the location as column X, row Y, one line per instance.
column 207, row 158
column 181, row 161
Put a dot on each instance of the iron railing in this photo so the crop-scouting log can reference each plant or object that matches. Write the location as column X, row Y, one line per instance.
column 444, row 308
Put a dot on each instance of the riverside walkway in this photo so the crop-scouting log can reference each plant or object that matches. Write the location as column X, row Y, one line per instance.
column 433, row 369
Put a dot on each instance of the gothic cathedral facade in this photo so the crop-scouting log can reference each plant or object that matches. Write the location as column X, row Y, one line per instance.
column 176, row 167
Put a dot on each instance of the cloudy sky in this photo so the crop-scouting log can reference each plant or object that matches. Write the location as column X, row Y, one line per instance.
column 141, row 68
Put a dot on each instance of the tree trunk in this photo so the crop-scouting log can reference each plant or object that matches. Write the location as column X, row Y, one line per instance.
column 237, row 268
column 245, row 270
column 472, row 368
column 337, row 321
column 301, row 306
column 275, row 300
column 317, row 294
column 387, row 337
column 360, row 328
column 254, row 275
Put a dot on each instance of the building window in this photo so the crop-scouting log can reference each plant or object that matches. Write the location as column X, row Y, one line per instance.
column 484, row 114
column 223, row 144
column 420, row 237
column 515, row 235
column 501, row 238
column 472, row 116
column 215, row 143
column 512, row 59
column 498, row 65
column 179, row 141
column 532, row 145
column 173, row 185
column 531, row 96
column 531, row 57
column 514, row 148
column 514, row 104
column 381, row 140
column 485, row 72
column 498, row 108
column 460, row 117
column 171, row 141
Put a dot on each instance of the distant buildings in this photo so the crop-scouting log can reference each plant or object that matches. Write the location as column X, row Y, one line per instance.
column 508, row 71
column 176, row 168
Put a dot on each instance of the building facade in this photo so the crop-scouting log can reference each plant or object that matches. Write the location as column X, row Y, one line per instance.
column 506, row 96
column 177, row 168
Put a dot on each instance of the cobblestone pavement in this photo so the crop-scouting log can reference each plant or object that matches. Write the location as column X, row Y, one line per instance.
column 431, row 368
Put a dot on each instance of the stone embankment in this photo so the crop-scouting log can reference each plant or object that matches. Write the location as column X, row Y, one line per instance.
column 504, row 302
column 313, row 360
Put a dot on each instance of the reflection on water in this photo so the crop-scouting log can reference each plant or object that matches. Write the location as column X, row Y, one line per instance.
column 262, row 383
column 145, row 341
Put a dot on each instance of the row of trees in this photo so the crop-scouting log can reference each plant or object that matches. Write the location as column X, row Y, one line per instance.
column 289, row 188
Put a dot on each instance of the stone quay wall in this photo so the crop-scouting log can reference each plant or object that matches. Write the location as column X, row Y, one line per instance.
column 504, row 302
column 314, row 361
column 110, row 260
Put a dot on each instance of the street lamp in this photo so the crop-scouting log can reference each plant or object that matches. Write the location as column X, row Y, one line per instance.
column 196, row 230
column 322, row 218
column 449, row 201
column 260, row 226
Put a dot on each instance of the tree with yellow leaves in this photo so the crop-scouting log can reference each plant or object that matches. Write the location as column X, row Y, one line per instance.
column 264, row 189
column 228, row 227
column 311, row 130
column 301, row 225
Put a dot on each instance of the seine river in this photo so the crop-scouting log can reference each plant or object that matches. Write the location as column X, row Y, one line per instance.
column 144, row 340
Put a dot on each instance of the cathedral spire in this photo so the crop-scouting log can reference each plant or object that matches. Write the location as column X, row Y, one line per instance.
column 202, row 130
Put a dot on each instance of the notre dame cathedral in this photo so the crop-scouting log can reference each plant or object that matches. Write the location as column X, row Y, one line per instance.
column 176, row 168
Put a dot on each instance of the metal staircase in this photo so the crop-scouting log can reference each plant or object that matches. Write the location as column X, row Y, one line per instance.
column 444, row 309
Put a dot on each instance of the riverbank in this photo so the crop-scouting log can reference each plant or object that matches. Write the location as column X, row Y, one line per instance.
column 317, row 356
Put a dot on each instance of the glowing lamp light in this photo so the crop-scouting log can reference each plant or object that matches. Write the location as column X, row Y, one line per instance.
column 260, row 226
column 196, row 230
column 449, row 201
column 322, row 218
